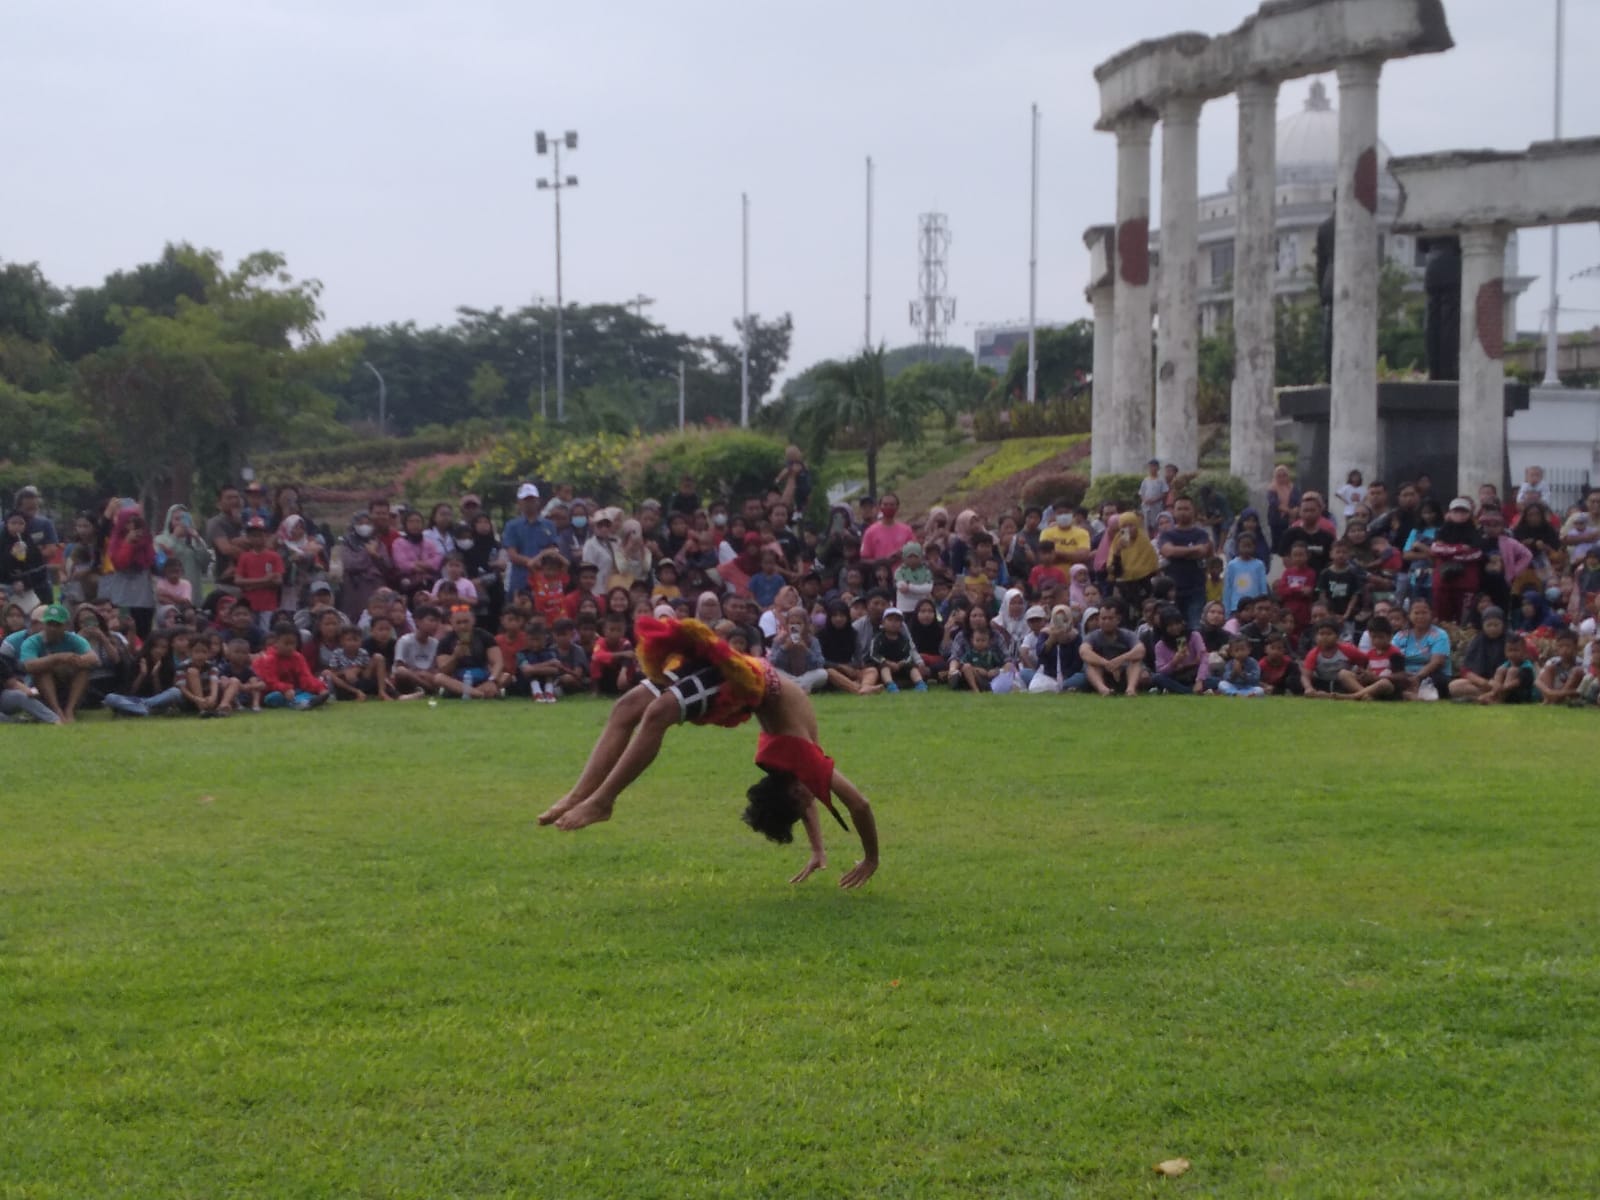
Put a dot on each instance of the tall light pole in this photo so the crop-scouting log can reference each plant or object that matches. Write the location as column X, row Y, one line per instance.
column 1033, row 266
column 868, row 341
column 556, row 183
column 383, row 398
column 544, row 410
column 1552, row 377
column 744, row 320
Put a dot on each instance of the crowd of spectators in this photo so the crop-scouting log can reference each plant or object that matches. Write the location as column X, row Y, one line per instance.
column 1396, row 596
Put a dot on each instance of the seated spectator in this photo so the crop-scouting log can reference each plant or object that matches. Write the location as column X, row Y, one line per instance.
column 893, row 655
column 354, row 671
column 1482, row 657
column 1181, row 660
column 289, row 682
column 1562, row 674
column 1113, row 657
column 155, row 682
column 1427, row 651
column 469, row 662
column 1054, row 651
column 59, row 662
column 416, row 655
column 838, row 640
column 236, row 665
column 1278, row 670
column 572, row 678
column 1384, row 677
column 927, row 635
column 114, row 658
column 983, row 667
column 1241, row 675
column 1330, row 666
column 612, row 663
column 205, row 689
column 1516, row 679
column 796, row 652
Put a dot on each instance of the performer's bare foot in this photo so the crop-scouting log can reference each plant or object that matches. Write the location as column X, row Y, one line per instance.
column 559, row 808
column 590, row 812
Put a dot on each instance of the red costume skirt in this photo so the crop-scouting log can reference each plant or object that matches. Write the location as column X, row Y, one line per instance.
column 801, row 757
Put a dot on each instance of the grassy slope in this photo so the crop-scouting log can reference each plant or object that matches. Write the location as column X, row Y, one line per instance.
column 1320, row 951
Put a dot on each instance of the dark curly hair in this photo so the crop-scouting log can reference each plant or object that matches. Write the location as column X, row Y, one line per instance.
column 774, row 807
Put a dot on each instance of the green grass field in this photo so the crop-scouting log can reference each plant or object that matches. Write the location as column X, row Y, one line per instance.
column 1319, row 951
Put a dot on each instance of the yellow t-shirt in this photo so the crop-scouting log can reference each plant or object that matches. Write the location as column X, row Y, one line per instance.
column 1076, row 538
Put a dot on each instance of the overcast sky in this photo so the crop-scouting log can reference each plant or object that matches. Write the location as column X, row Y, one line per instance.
column 387, row 148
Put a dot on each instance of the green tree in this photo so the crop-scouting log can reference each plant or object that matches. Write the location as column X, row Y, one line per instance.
column 1401, row 342
column 853, row 400
column 181, row 399
column 1064, row 357
column 1297, row 326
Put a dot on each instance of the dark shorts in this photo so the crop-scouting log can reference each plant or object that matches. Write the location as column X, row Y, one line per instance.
column 693, row 691
column 1330, row 686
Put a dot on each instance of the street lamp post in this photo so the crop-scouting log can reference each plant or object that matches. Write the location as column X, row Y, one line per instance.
column 383, row 399
column 556, row 183
column 1552, row 375
column 544, row 411
column 744, row 308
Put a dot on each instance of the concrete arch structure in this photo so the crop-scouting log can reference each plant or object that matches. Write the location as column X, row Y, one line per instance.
column 1168, row 80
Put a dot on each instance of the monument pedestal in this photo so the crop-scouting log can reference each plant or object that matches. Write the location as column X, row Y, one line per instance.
column 1418, row 432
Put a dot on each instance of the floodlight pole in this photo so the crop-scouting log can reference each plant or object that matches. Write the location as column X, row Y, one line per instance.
column 744, row 323
column 543, row 143
column 383, row 399
column 1033, row 266
column 868, row 340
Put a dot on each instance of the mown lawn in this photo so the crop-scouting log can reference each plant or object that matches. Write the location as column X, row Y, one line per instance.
column 1319, row 951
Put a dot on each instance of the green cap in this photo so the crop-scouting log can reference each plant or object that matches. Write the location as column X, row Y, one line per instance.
column 56, row 614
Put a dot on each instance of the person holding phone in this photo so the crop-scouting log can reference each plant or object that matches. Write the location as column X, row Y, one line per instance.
column 797, row 654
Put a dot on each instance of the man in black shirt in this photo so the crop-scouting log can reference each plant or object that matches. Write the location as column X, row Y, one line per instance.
column 469, row 661
column 1309, row 530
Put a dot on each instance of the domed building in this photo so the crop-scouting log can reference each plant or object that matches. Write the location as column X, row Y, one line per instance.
column 1308, row 170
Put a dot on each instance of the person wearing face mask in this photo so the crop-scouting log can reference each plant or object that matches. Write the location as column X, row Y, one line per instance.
column 882, row 542
column 570, row 539
column 1070, row 539
column 361, row 562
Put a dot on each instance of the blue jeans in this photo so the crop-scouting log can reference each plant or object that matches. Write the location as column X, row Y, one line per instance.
column 1166, row 683
column 1193, row 606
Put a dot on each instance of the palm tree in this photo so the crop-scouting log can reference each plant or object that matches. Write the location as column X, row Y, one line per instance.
column 853, row 397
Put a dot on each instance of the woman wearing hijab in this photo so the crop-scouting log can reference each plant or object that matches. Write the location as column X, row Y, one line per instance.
column 1132, row 561
column 1077, row 580
column 361, row 564
column 304, row 560
column 1283, row 504
column 1011, row 623
column 180, row 539
column 837, row 640
column 1248, row 521
column 708, row 609
column 131, row 584
column 1534, row 614
column 570, row 539
column 416, row 558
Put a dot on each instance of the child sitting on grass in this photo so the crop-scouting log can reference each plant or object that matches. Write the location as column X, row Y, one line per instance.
column 236, row 666
column 893, row 656
column 1562, row 675
column 1242, row 674
column 1384, row 677
column 1280, row 673
column 612, row 664
column 354, row 671
column 1330, row 667
column 288, row 680
column 204, row 688
column 536, row 666
column 573, row 677
column 1515, row 680
column 983, row 663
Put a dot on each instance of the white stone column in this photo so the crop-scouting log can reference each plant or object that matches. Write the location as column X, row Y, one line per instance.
column 1178, row 349
column 1481, row 442
column 1255, row 266
column 1130, row 426
column 1102, row 395
column 1353, row 414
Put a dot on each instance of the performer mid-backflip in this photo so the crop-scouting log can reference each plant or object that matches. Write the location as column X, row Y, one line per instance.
column 693, row 675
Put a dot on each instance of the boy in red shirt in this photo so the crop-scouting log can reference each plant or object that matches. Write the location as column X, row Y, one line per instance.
column 1331, row 666
column 283, row 669
column 258, row 573
column 1384, row 677
column 1046, row 570
column 1298, row 586
column 612, row 664
column 512, row 640
column 549, row 587
column 1280, row 674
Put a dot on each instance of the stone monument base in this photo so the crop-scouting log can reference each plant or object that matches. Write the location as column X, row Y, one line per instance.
column 1417, row 433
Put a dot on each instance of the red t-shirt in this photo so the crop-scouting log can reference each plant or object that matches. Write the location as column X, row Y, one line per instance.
column 1296, row 589
column 253, row 564
column 1039, row 574
column 1325, row 665
column 549, row 595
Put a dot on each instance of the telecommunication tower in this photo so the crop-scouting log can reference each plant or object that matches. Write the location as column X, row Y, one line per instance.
column 934, row 311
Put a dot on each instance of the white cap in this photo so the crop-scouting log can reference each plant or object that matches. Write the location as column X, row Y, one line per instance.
column 1461, row 503
column 527, row 491
column 1035, row 613
column 894, row 612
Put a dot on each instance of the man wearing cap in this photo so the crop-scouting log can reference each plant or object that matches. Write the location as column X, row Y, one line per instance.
column 525, row 535
column 600, row 550
column 42, row 533
column 59, row 662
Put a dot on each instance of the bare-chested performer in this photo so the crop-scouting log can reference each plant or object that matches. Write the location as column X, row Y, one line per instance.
column 693, row 675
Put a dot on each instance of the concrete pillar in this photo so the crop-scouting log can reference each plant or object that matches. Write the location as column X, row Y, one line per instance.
column 1481, row 445
column 1353, row 415
column 1178, row 346
column 1255, row 265
column 1102, row 394
column 1130, row 430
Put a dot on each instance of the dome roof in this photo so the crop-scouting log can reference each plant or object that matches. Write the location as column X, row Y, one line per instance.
column 1308, row 141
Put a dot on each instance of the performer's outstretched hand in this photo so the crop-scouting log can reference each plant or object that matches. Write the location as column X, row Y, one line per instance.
column 859, row 874
column 818, row 862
